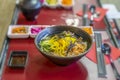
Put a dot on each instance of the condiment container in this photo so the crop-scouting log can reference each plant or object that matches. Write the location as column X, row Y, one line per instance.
column 18, row 59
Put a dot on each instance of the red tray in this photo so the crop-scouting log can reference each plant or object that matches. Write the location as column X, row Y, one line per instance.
column 40, row 68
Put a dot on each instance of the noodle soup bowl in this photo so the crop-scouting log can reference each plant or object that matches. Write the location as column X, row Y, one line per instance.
column 67, row 60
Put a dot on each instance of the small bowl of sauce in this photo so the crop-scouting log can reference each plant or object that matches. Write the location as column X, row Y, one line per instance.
column 18, row 59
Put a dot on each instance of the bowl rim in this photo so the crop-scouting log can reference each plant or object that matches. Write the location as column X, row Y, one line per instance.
column 44, row 53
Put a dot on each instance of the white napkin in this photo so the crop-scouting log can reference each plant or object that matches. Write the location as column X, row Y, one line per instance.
column 112, row 12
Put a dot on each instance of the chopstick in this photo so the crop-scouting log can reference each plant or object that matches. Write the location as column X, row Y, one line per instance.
column 100, row 57
column 85, row 21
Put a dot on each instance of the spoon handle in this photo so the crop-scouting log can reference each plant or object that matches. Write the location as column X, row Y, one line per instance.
column 117, row 75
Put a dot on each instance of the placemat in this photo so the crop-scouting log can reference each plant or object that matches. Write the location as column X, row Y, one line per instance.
column 115, row 54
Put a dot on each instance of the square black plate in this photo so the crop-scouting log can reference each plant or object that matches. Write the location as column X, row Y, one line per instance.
column 18, row 59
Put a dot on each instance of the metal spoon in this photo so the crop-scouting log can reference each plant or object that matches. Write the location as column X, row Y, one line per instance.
column 106, row 49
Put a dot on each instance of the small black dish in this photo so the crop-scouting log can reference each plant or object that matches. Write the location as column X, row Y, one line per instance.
column 18, row 59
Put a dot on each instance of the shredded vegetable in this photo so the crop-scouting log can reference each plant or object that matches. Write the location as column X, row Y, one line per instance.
column 58, row 44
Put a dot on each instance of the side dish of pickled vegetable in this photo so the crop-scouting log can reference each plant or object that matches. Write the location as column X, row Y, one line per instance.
column 20, row 30
column 88, row 30
column 67, row 2
column 58, row 44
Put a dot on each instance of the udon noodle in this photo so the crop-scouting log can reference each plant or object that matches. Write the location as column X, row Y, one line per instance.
column 63, row 44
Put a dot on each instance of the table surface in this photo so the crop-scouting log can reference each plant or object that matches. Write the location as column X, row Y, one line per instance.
column 6, row 13
column 91, row 67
